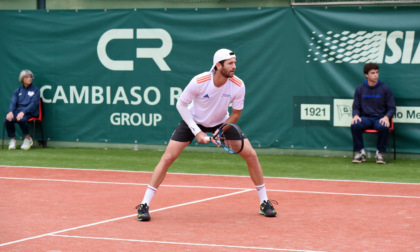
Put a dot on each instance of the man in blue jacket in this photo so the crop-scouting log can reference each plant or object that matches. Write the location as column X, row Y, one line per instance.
column 373, row 107
column 23, row 106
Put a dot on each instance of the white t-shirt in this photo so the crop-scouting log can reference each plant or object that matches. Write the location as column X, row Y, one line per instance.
column 209, row 104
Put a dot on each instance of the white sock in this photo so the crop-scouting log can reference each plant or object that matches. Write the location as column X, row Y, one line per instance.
column 150, row 192
column 262, row 193
column 363, row 151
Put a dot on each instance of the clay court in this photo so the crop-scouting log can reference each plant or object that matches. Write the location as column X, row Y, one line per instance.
column 54, row 209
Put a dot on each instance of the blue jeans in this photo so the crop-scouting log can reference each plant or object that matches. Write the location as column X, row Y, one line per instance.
column 369, row 123
column 23, row 123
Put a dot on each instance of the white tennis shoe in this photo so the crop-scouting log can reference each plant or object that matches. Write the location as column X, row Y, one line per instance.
column 12, row 144
column 27, row 143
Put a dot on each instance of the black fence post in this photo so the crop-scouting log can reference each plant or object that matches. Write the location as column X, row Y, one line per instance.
column 40, row 4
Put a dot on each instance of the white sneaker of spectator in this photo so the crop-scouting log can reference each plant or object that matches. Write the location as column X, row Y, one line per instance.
column 12, row 144
column 27, row 143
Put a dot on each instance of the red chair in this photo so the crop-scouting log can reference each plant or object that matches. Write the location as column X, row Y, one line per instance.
column 38, row 120
column 391, row 134
column 35, row 121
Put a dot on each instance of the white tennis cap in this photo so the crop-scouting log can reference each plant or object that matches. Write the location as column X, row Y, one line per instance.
column 222, row 54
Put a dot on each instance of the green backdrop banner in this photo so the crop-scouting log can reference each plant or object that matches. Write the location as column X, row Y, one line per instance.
column 115, row 75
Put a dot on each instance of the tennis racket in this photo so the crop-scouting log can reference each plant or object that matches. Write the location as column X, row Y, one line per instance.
column 230, row 137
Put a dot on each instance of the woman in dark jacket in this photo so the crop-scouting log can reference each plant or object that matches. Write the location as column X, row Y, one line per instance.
column 23, row 106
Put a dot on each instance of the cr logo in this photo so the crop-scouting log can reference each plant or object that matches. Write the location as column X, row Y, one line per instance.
column 157, row 54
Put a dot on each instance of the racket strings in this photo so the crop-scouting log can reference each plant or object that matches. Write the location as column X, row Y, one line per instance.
column 231, row 138
column 234, row 145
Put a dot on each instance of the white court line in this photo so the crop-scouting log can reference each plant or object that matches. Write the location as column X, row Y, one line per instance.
column 215, row 187
column 184, row 243
column 119, row 183
column 123, row 217
column 349, row 194
column 216, row 175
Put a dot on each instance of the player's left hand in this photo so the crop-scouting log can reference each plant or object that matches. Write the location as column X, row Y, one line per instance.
column 215, row 137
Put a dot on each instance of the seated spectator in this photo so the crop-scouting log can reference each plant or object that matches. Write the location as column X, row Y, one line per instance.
column 23, row 106
column 373, row 108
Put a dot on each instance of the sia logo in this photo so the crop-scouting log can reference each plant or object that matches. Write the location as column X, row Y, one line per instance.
column 362, row 47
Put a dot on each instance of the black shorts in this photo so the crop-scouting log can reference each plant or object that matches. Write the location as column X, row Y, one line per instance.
column 183, row 133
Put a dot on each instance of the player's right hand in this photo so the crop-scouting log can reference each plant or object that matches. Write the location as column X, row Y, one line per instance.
column 202, row 137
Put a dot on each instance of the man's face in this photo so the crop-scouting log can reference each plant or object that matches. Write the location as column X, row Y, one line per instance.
column 228, row 68
column 372, row 76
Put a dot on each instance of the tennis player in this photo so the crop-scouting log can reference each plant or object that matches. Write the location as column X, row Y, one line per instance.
column 203, row 106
